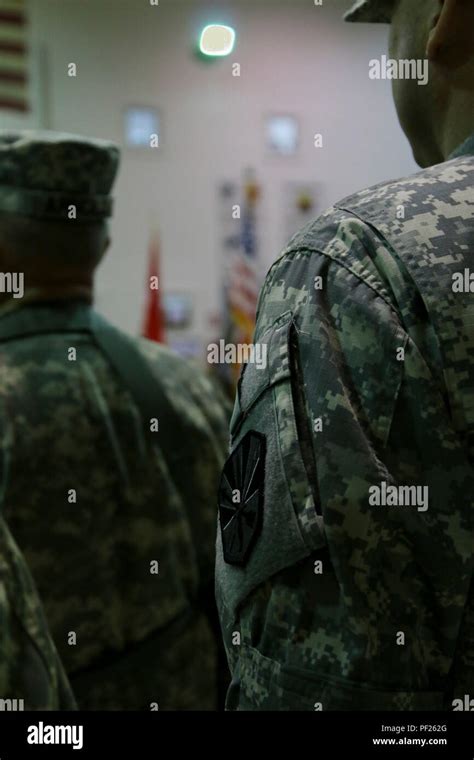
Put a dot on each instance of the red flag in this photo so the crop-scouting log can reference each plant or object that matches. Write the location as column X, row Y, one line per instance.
column 153, row 323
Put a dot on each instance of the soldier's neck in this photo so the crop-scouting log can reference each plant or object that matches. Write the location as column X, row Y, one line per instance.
column 459, row 124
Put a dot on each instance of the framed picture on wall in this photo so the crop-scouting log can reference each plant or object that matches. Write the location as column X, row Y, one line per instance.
column 178, row 310
column 282, row 134
column 142, row 127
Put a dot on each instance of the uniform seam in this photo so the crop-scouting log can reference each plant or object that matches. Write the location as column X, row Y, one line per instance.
column 313, row 249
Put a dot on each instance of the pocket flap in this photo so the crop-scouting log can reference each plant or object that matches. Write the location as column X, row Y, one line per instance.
column 258, row 376
column 266, row 685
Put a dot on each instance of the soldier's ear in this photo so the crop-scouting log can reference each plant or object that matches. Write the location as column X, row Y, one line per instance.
column 451, row 40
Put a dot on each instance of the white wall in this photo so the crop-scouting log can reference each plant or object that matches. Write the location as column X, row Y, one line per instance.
column 294, row 57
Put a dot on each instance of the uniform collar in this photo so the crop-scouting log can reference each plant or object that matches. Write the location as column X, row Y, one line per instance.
column 35, row 297
column 43, row 317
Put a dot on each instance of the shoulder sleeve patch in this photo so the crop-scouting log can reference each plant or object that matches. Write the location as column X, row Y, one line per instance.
column 241, row 496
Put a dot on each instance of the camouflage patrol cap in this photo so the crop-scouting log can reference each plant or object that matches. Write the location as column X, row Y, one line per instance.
column 371, row 11
column 44, row 174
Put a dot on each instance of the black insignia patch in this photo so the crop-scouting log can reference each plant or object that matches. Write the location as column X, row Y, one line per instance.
column 241, row 493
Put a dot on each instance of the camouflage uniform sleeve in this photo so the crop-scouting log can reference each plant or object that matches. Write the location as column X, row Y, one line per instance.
column 345, row 600
column 31, row 674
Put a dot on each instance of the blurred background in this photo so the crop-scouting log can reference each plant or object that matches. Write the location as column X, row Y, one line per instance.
column 224, row 156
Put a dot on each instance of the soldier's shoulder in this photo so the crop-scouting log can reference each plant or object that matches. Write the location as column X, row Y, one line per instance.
column 193, row 394
column 167, row 365
column 353, row 232
column 391, row 204
column 160, row 356
column 415, row 195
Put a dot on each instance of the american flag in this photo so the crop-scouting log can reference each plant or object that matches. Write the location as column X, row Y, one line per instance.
column 243, row 284
column 243, row 277
column 13, row 56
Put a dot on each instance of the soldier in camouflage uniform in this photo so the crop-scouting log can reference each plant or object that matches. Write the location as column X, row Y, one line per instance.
column 31, row 675
column 111, row 448
column 344, row 567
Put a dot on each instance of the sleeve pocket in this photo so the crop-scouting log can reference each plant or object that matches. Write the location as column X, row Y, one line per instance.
column 266, row 685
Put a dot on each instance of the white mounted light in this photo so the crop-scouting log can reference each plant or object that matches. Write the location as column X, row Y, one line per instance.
column 217, row 40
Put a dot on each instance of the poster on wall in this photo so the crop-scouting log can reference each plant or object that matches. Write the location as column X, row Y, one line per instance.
column 301, row 204
column 178, row 311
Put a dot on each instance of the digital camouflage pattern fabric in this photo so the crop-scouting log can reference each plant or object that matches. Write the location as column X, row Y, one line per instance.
column 119, row 538
column 357, row 593
column 31, row 674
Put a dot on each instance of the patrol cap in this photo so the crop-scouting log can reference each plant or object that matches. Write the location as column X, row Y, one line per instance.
column 43, row 174
column 371, row 11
